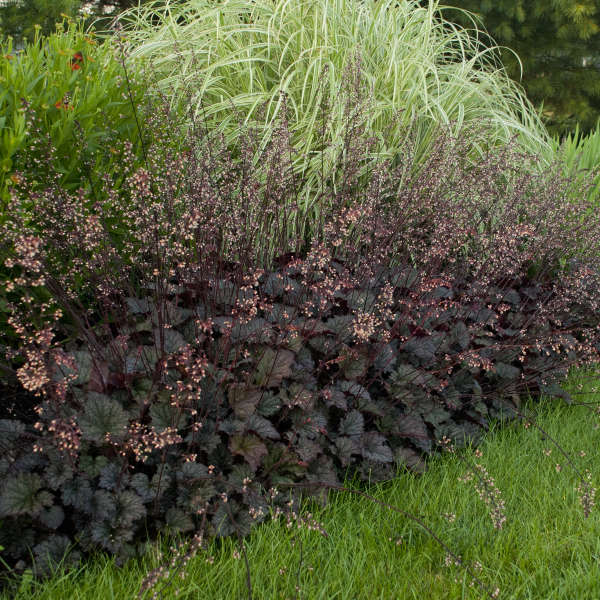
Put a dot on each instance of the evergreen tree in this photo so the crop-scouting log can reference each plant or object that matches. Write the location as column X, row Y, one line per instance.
column 558, row 44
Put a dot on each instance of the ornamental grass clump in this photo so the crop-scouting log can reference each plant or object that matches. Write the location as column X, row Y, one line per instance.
column 188, row 367
column 231, row 58
column 580, row 155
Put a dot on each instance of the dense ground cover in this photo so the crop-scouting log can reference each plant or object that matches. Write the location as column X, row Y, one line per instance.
column 182, row 352
column 546, row 549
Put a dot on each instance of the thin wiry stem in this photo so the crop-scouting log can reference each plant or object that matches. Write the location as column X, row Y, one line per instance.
column 340, row 488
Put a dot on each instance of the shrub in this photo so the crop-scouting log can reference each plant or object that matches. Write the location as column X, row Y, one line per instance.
column 74, row 84
column 209, row 372
column 233, row 58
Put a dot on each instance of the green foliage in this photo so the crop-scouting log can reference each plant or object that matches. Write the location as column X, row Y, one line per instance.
column 579, row 155
column 25, row 20
column 63, row 89
column 557, row 47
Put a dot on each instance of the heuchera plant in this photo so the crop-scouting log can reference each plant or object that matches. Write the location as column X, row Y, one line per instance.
column 187, row 367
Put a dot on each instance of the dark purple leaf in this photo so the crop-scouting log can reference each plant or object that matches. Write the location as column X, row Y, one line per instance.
column 243, row 399
column 375, row 448
column 250, row 447
column 352, row 425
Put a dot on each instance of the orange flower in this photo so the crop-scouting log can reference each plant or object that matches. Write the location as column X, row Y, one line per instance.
column 63, row 104
column 76, row 61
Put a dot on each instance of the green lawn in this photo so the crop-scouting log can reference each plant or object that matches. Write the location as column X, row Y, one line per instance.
column 546, row 549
